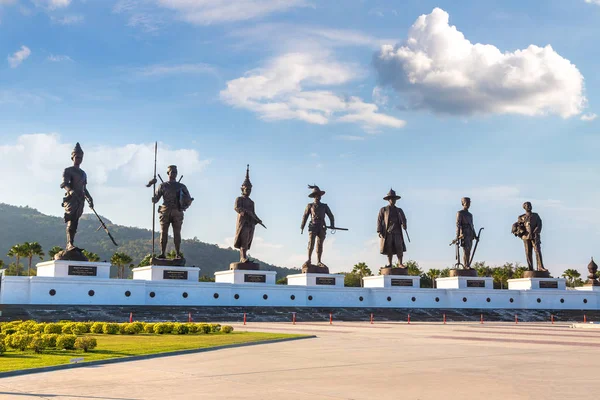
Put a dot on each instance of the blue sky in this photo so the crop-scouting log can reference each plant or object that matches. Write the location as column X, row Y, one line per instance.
column 438, row 100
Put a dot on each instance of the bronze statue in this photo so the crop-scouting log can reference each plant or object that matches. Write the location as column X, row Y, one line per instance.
column 390, row 222
column 465, row 233
column 593, row 274
column 317, row 229
column 176, row 199
column 529, row 228
column 246, row 221
column 74, row 181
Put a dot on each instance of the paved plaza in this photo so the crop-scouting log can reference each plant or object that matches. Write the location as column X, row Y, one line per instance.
column 351, row 360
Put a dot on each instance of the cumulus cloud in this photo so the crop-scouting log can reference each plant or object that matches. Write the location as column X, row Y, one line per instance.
column 438, row 69
column 589, row 116
column 116, row 174
column 19, row 56
column 297, row 86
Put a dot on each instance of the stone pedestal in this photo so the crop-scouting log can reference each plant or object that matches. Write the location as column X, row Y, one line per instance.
column 537, row 284
column 588, row 288
column 245, row 266
column 251, row 277
column 314, row 269
column 393, row 271
column 392, row 281
column 464, row 282
column 166, row 273
column 310, row 279
column 463, row 272
column 74, row 269
column 536, row 274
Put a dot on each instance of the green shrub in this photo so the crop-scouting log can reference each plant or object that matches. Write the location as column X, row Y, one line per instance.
column 2, row 347
column 192, row 328
column 97, row 327
column 163, row 327
column 19, row 340
column 68, row 328
column 122, row 327
column 50, row 339
column 79, row 328
column 37, row 343
column 29, row 326
column 149, row 328
column 203, row 328
column 134, row 328
column 214, row 328
column 110, row 328
column 227, row 329
column 85, row 343
column 180, row 329
column 66, row 342
column 53, row 328
column 9, row 331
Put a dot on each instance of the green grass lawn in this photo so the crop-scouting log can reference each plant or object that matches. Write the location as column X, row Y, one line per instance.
column 117, row 346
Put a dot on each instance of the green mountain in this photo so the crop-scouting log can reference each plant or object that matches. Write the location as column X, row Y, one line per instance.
column 25, row 224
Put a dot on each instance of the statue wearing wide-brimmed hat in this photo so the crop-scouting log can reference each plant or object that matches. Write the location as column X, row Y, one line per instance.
column 317, row 229
column 246, row 222
column 390, row 223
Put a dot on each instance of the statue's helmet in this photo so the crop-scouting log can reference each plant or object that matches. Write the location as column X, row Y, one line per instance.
column 247, row 182
column 77, row 151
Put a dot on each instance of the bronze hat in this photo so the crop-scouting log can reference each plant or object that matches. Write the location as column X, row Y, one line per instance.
column 77, row 150
column 247, row 182
column 391, row 195
column 315, row 191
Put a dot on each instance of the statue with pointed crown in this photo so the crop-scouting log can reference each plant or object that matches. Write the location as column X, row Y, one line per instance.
column 246, row 222
column 317, row 229
column 390, row 222
column 74, row 182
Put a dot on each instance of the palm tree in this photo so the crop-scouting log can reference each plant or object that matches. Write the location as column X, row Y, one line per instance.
column 17, row 251
column 571, row 275
column 361, row 269
column 413, row 268
column 32, row 249
column 54, row 251
column 120, row 260
column 433, row 273
column 445, row 273
column 93, row 257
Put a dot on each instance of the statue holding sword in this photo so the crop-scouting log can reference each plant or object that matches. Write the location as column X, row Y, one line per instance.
column 390, row 223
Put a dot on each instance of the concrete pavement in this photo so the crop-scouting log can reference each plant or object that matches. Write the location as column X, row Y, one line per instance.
column 351, row 361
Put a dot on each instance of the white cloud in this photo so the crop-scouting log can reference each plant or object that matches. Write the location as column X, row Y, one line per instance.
column 278, row 92
column 589, row 116
column 117, row 174
column 58, row 58
column 206, row 12
column 68, row 19
column 52, row 4
column 161, row 69
column 19, row 56
column 593, row 2
column 438, row 69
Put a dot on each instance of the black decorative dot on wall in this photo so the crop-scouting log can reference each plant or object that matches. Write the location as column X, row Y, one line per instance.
column 127, row 293
column 464, row 299
column 216, row 295
column 292, row 297
column 360, row 298
column 562, row 300
column 539, row 300
column 584, row 301
column 236, row 296
column 511, row 300
column 389, row 298
column 488, row 299
column 52, row 292
column 413, row 299
column 91, row 293
column 310, row 297
column 152, row 294
column 184, row 295
column 265, row 296
column 437, row 299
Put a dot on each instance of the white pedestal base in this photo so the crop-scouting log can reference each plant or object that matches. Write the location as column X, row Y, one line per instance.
column 166, row 273
column 464, row 282
column 392, row 281
column 74, row 269
column 324, row 280
column 588, row 288
column 244, row 276
column 537, row 283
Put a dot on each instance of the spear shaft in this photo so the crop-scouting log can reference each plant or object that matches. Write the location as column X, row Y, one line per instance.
column 153, row 203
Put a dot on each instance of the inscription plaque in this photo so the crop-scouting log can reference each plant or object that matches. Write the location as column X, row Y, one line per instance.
column 548, row 284
column 174, row 274
column 325, row 280
column 255, row 278
column 83, row 270
column 402, row 282
column 475, row 283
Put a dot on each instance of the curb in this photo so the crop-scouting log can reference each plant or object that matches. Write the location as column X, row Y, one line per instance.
column 144, row 357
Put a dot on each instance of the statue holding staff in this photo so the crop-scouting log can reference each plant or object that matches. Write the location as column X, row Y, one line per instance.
column 390, row 223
